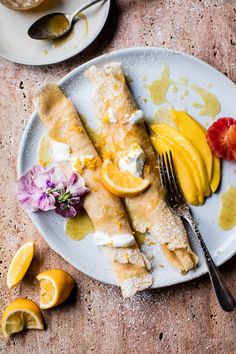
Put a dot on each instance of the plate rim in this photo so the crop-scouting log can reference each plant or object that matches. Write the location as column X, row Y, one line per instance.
column 33, row 118
column 107, row 3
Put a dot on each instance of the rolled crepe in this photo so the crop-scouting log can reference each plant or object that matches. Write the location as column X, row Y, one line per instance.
column 105, row 210
column 148, row 211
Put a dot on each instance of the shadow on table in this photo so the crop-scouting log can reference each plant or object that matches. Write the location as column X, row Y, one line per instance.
column 109, row 30
column 104, row 38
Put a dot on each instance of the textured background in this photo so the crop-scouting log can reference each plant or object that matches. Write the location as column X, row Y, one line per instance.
column 181, row 319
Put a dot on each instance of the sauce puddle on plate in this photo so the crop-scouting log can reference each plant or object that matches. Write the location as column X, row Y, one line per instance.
column 227, row 214
column 79, row 227
column 158, row 89
column 210, row 107
column 85, row 22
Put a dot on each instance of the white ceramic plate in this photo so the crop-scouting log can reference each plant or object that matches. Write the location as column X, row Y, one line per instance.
column 138, row 62
column 17, row 46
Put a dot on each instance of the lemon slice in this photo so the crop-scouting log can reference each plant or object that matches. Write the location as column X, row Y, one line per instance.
column 20, row 314
column 56, row 286
column 121, row 183
column 20, row 264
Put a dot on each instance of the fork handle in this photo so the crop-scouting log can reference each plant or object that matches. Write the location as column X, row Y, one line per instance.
column 223, row 294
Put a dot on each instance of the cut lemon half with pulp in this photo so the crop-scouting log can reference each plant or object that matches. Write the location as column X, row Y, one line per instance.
column 20, row 264
column 121, row 183
column 55, row 287
column 21, row 314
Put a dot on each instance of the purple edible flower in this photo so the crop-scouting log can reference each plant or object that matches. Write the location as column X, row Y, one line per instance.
column 47, row 189
column 34, row 188
column 70, row 202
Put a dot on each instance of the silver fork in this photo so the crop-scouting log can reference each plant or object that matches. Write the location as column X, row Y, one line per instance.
column 178, row 205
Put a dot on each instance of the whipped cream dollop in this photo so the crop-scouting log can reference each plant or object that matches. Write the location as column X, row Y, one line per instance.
column 117, row 241
column 60, row 152
column 134, row 161
column 135, row 118
column 111, row 116
column 82, row 160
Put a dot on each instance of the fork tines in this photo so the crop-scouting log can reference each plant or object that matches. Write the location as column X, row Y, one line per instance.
column 169, row 180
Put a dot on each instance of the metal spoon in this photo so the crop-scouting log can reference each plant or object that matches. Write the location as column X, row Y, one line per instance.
column 56, row 25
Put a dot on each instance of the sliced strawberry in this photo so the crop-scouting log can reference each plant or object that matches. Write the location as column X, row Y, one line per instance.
column 221, row 137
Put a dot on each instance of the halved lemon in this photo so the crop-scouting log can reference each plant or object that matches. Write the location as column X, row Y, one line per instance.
column 121, row 183
column 20, row 264
column 20, row 314
column 56, row 286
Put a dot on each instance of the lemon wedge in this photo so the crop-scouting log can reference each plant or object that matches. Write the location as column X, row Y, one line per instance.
column 20, row 314
column 121, row 183
column 56, row 286
column 20, row 264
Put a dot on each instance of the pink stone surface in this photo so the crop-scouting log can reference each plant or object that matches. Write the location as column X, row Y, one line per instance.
column 181, row 319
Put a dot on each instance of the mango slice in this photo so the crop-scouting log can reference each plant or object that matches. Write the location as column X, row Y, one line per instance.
column 183, row 169
column 198, row 166
column 216, row 167
column 192, row 131
column 216, row 174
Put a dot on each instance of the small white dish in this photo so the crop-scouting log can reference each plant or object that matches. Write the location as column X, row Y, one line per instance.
column 17, row 46
column 138, row 63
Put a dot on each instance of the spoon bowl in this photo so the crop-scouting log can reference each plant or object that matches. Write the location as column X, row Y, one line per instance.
column 51, row 26
column 57, row 24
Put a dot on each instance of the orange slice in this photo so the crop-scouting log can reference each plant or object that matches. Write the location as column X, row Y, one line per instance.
column 121, row 183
